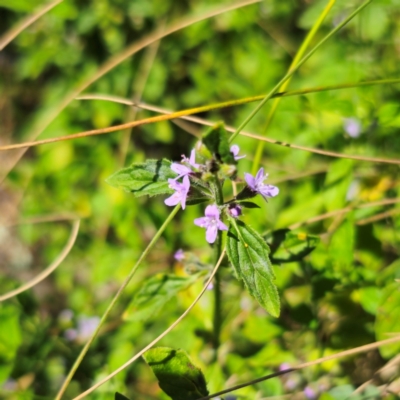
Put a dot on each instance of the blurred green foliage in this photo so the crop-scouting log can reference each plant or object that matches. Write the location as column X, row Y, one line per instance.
column 344, row 294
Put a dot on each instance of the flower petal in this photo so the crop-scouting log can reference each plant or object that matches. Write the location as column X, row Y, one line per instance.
column 202, row 222
column 235, row 150
column 260, row 176
column 251, row 182
column 221, row 226
column 269, row 191
column 172, row 200
column 212, row 211
column 211, row 233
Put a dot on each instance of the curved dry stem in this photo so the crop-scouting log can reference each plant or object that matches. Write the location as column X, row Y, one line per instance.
column 346, row 353
column 344, row 211
column 108, row 66
column 322, row 152
column 51, row 268
column 114, row 300
column 10, row 35
column 378, row 217
column 158, row 338
column 39, row 219
column 184, row 114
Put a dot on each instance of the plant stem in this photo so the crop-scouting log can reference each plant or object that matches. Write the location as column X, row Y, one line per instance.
column 217, row 318
column 113, row 301
column 297, row 58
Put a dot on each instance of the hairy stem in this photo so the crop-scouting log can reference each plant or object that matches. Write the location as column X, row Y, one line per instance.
column 113, row 301
column 217, row 318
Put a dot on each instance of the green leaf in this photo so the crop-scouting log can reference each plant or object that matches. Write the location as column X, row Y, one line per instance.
column 154, row 293
column 248, row 253
column 176, row 374
column 387, row 321
column 148, row 178
column 216, row 140
column 119, row 396
column 248, row 204
column 287, row 246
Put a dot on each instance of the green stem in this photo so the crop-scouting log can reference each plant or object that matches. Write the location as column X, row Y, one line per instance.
column 217, row 318
column 297, row 58
column 295, row 68
column 113, row 301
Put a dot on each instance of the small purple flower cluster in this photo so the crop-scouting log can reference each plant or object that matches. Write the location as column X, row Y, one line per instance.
column 212, row 221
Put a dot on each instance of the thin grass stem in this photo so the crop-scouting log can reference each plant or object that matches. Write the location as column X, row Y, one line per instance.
column 158, row 338
column 297, row 58
column 295, row 68
column 113, row 301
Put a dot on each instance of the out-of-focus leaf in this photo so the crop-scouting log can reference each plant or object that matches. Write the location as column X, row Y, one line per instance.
column 119, row 396
column 369, row 298
column 216, row 140
column 248, row 204
column 177, row 376
column 388, row 319
column 10, row 339
column 249, row 254
column 288, row 246
column 148, row 178
column 341, row 248
column 154, row 293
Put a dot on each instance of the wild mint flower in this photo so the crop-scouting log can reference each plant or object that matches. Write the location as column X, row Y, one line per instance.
column 191, row 160
column 352, row 126
column 235, row 151
column 235, row 210
column 211, row 222
column 181, row 170
column 256, row 184
column 185, row 170
column 179, row 255
column 181, row 192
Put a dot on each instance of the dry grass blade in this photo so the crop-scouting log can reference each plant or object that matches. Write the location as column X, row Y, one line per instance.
column 24, row 23
column 51, row 268
column 108, row 66
column 202, row 121
column 39, row 219
column 344, row 211
column 157, row 339
column 346, row 353
column 378, row 217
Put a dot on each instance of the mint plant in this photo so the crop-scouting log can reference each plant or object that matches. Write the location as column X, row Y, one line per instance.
column 200, row 178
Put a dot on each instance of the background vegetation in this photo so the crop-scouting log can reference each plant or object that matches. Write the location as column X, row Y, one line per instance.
column 344, row 294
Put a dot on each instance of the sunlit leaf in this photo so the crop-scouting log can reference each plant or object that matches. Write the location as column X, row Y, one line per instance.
column 177, row 376
column 249, row 255
column 147, row 178
column 388, row 319
column 288, row 246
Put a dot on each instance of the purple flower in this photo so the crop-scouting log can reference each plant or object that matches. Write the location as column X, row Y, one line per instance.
column 192, row 160
column 235, row 210
column 181, row 192
column 352, row 126
column 211, row 222
column 310, row 393
column 179, row 255
column 256, row 184
column 235, row 151
column 181, row 170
